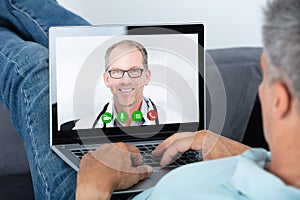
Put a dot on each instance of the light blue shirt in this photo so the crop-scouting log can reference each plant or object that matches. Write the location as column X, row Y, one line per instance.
column 238, row 177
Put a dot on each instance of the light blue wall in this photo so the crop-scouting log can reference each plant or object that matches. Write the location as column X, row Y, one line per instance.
column 228, row 22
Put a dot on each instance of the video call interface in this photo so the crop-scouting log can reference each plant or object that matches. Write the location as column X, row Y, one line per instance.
column 128, row 80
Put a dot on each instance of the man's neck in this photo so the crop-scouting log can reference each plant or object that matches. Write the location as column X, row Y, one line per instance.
column 285, row 161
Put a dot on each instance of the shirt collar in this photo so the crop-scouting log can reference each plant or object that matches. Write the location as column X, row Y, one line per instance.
column 252, row 181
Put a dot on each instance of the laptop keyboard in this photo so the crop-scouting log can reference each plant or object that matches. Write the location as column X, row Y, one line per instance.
column 146, row 151
column 79, row 153
column 185, row 158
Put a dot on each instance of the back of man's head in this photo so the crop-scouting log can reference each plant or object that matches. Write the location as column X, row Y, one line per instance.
column 281, row 37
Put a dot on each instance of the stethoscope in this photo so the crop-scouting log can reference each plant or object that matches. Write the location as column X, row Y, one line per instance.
column 105, row 108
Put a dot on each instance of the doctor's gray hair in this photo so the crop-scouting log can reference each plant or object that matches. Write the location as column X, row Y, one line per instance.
column 127, row 43
column 281, row 38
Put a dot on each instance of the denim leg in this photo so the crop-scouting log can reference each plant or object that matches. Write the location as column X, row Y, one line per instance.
column 32, row 18
column 24, row 87
column 24, row 90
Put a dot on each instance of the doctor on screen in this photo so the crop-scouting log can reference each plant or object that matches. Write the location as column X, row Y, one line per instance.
column 126, row 74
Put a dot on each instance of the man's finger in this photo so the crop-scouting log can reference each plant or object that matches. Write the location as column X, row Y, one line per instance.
column 136, row 159
column 128, row 147
column 169, row 155
column 133, row 176
column 144, row 171
column 176, row 148
column 160, row 149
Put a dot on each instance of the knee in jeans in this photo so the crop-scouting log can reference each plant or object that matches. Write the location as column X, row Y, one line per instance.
column 30, row 57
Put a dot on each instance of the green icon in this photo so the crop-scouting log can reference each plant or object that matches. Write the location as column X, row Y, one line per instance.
column 137, row 116
column 106, row 117
column 122, row 117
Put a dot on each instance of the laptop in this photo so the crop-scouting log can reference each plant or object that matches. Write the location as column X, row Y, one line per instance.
column 79, row 97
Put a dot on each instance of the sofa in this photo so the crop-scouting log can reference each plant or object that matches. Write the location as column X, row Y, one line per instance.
column 242, row 123
column 15, row 178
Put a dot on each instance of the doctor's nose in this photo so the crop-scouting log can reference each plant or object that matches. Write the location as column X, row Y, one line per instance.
column 125, row 79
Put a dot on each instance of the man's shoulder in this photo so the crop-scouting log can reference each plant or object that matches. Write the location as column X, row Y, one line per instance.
column 202, row 180
column 214, row 179
column 224, row 167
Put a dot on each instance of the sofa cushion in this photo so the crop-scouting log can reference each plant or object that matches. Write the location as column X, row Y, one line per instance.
column 241, row 74
column 16, row 186
column 13, row 158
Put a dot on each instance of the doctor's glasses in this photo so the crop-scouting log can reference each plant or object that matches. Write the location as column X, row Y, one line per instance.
column 132, row 73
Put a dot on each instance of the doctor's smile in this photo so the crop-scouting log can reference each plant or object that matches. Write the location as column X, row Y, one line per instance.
column 126, row 90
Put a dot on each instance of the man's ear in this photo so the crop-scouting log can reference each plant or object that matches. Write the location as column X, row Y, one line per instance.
column 105, row 78
column 281, row 100
column 147, row 77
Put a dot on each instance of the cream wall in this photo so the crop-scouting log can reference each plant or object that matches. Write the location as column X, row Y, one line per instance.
column 228, row 23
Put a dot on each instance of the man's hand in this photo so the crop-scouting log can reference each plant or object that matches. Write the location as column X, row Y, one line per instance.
column 111, row 167
column 213, row 146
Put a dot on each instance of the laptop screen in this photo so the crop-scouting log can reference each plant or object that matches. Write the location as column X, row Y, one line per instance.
column 126, row 80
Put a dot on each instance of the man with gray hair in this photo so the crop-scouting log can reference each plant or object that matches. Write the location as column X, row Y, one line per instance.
column 255, row 174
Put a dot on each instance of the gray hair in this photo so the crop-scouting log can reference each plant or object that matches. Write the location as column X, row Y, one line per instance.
column 127, row 43
column 281, row 38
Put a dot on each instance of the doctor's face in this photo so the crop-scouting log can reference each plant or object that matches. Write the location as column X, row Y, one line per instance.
column 126, row 90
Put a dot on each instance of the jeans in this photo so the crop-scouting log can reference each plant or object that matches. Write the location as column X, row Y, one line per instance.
column 24, row 88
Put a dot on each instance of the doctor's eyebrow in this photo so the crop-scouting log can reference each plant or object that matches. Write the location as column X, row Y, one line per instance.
column 132, row 67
